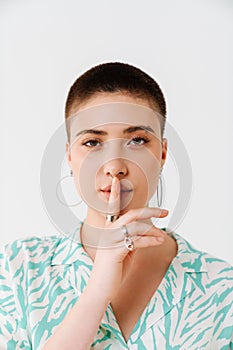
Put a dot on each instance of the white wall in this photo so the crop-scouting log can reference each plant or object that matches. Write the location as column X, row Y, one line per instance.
column 186, row 45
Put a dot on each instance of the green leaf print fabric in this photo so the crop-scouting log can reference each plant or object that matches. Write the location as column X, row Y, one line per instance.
column 41, row 278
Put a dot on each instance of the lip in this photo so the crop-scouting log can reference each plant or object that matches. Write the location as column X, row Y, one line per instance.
column 107, row 189
column 106, row 194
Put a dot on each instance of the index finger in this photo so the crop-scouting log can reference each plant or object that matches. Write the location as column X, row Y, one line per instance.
column 142, row 214
column 114, row 198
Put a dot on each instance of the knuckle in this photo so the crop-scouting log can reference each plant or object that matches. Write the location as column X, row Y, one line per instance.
column 131, row 212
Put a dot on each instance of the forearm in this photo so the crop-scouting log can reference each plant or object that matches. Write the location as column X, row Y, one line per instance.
column 78, row 329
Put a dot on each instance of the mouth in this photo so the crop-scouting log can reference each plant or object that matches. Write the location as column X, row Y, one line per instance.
column 123, row 194
column 120, row 191
column 123, row 189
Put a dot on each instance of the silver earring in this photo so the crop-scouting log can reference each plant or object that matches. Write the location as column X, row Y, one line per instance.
column 160, row 190
column 60, row 196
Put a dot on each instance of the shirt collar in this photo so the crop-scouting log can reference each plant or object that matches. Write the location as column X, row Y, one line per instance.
column 70, row 249
column 191, row 259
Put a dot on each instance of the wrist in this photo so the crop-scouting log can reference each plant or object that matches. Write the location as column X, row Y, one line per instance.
column 95, row 292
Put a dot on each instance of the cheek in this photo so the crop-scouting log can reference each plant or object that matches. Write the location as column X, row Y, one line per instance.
column 77, row 159
column 145, row 179
column 151, row 167
column 153, row 182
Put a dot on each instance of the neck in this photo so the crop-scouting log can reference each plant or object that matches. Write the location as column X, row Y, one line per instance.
column 95, row 218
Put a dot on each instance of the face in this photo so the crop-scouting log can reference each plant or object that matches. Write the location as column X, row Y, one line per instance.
column 107, row 146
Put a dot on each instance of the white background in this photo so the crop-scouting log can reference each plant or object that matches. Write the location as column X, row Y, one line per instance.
column 185, row 45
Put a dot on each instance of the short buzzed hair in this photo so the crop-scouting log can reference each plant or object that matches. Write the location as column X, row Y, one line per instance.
column 115, row 77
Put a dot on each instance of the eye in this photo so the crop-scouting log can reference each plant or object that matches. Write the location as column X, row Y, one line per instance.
column 139, row 140
column 91, row 143
column 136, row 141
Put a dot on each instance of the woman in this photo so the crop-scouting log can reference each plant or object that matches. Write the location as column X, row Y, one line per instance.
column 120, row 282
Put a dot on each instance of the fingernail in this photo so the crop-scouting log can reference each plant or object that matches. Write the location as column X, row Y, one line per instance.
column 160, row 239
column 165, row 211
column 114, row 193
column 114, row 185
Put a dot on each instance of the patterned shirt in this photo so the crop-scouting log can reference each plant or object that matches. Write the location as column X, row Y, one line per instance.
column 41, row 278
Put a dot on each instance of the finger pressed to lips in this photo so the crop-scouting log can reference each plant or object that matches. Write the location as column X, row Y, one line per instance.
column 114, row 198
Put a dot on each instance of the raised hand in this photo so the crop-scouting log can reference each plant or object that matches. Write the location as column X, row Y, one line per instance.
column 113, row 256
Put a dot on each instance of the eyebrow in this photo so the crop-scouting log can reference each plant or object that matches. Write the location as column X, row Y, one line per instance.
column 129, row 130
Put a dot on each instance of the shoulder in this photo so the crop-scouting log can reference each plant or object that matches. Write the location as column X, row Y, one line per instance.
column 16, row 259
column 28, row 249
column 209, row 304
column 219, row 272
column 218, row 267
column 31, row 243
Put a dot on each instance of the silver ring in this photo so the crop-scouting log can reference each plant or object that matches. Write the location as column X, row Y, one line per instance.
column 111, row 218
column 124, row 231
column 127, row 240
column 129, row 243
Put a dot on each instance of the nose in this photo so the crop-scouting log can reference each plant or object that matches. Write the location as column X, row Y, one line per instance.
column 115, row 167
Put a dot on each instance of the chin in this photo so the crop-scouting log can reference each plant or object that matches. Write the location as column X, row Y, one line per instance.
column 132, row 206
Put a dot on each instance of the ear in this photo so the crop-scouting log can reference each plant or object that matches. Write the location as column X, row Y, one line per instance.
column 164, row 152
column 68, row 154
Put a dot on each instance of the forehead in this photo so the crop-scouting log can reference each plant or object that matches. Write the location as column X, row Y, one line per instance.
column 98, row 116
column 107, row 97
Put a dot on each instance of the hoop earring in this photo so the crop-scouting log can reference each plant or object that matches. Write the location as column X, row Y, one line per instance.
column 160, row 190
column 62, row 201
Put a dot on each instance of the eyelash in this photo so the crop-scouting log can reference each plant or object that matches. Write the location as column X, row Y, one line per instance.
column 145, row 140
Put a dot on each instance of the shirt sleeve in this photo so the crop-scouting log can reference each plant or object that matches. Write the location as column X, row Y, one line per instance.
column 13, row 318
